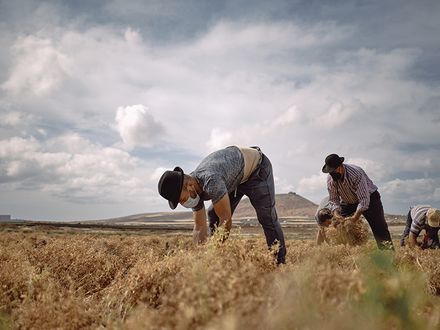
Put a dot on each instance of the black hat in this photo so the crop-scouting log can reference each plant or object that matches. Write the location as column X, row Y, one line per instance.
column 332, row 162
column 170, row 186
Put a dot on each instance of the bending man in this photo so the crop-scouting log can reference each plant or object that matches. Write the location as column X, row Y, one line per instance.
column 224, row 177
column 422, row 217
column 352, row 194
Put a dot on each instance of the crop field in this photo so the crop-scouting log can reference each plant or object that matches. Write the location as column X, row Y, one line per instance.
column 76, row 279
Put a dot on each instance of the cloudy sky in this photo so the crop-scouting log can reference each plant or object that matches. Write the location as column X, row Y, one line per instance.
column 98, row 98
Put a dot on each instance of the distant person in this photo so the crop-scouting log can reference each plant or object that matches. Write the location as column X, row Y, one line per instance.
column 323, row 217
column 422, row 217
column 224, row 177
column 352, row 194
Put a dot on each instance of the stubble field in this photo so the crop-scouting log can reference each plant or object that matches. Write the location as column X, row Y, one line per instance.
column 80, row 280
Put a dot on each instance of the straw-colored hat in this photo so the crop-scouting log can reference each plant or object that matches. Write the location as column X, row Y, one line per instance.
column 433, row 217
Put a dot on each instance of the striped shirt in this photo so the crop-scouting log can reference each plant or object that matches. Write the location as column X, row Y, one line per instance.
column 418, row 216
column 354, row 188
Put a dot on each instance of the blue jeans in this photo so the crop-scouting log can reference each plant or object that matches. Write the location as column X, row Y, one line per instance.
column 260, row 189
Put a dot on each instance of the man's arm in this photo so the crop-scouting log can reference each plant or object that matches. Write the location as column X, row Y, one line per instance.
column 320, row 237
column 412, row 240
column 356, row 216
column 200, row 232
column 333, row 197
column 364, row 199
column 223, row 210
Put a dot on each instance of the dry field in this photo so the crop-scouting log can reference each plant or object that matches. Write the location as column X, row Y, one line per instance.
column 80, row 280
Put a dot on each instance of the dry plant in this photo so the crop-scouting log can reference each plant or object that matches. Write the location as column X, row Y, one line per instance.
column 95, row 281
column 348, row 232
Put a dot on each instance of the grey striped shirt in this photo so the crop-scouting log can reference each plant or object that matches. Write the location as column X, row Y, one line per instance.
column 355, row 188
column 418, row 216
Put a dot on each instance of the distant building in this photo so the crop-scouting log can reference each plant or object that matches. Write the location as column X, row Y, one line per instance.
column 5, row 217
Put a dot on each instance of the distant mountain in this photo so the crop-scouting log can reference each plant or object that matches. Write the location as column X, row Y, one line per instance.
column 287, row 205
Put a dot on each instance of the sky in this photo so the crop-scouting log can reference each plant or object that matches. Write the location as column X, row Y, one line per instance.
column 99, row 98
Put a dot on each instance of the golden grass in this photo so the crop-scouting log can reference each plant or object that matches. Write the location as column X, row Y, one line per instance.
column 348, row 232
column 91, row 281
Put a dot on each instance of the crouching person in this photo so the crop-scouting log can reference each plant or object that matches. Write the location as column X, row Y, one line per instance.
column 323, row 217
column 422, row 217
column 224, row 177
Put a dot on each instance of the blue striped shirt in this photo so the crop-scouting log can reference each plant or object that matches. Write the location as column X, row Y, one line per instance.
column 418, row 216
column 355, row 188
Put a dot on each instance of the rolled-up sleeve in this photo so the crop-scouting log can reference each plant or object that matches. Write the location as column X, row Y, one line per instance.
column 333, row 196
column 363, row 194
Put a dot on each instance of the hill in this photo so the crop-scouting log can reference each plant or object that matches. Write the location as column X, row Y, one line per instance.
column 287, row 205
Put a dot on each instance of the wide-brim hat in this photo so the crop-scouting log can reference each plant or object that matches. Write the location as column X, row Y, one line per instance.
column 332, row 162
column 170, row 186
column 433, row 217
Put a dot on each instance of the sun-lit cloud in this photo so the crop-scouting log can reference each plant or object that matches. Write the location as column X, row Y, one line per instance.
column 72, row 167
column 136, row 126
column 39, row 67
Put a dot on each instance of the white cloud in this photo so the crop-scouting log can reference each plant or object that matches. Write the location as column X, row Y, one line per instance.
column 14, row 118
column 157, row 173
column 136, row 126
column 74, row 169
column 411, row 191
column 375, row 170
column 39, row 66
column 219, row 139
column 226, row 37
column 313, row 185
column 245, row 134
column 132, row 37
column 289, row 117
column 335, row 115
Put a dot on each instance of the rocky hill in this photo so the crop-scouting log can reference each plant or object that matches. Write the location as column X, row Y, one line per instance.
column 287, row 205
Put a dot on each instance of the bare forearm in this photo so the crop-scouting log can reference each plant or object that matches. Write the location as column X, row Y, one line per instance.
column 412, row 240
column 320, row 237
column 200, row 232
column 357, row 214
column 223, row 210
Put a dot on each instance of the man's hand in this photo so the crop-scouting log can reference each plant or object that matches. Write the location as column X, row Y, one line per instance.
column 321, row 237
column 412, row 240
column 223, row 210
column 355, row 217
column 200, row 232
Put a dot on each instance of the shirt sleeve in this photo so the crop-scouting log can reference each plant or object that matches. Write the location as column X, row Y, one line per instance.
column 363, row 194
column 215, row 188
column 417, row 225
column 333, row 197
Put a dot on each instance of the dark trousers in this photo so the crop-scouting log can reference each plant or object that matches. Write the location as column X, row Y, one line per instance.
column 430, row 239
column 376, row 219
column 260, row 189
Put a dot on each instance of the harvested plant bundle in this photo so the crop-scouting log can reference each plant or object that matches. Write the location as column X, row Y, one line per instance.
column 347, row 232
